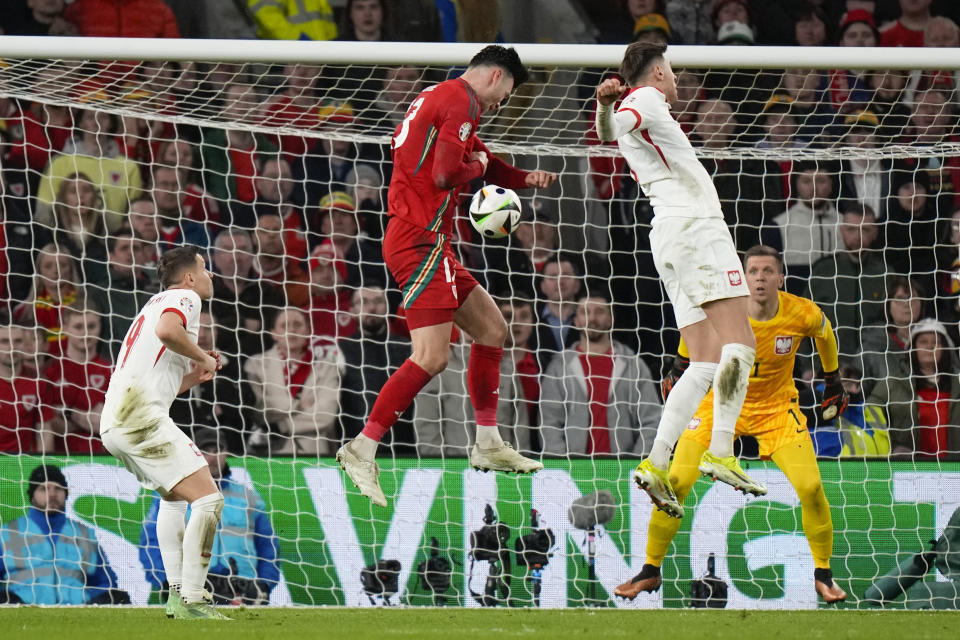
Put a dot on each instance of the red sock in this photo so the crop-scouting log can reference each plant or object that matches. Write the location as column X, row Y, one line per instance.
column 483, row 382
column 394, row 398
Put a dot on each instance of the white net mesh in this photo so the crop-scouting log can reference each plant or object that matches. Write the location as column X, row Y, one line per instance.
column 281, row 171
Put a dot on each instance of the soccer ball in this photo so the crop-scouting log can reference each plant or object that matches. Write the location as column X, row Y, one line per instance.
column 495, row 211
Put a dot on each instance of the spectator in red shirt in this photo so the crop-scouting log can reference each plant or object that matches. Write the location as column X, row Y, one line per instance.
column 26, row 423
column 296, row 107
column 329, row 306
column 78, row 381
column 521, row 318
column 122, row 18
column 907, row 31
column 598, row 397
column 55, row 286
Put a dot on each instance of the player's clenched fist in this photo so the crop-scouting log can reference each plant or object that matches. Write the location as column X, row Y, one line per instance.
column 540, row 179
column 609, row 91
column 480, row 157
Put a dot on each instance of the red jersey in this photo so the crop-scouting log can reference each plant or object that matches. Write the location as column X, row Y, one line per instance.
column 897, row 35
column 21, row 412
column 78, row 386
column 445, row 112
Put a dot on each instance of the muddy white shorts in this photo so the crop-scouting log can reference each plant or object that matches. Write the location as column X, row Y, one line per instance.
column 158, row 453
column 697, row 262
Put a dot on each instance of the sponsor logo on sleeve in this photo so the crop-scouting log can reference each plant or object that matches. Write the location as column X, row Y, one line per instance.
column 186, row 304
column 783, row 345
column 465, row 129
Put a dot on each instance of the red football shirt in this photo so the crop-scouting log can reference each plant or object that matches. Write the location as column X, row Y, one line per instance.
column 78, row 386
column 445, row 112
column 598, row 369
column 21, row 413
column 897, row 35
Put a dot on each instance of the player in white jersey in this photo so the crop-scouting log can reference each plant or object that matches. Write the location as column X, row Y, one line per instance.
column 159, row 360
column 697, row 261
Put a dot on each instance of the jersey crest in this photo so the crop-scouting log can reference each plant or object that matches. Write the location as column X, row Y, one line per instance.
column 783, row 345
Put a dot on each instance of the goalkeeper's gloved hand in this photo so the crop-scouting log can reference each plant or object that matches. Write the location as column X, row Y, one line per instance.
column 680, row 365
column 835, row 397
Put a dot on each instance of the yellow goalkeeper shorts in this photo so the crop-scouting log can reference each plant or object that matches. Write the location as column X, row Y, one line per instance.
column 774, row 426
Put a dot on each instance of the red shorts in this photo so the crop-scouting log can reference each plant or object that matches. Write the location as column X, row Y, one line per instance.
column 424, row 266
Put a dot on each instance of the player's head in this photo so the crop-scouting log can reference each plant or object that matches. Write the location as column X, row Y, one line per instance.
column 184, row 268
column 646, row 63
column 495, row 72
column 764, row 268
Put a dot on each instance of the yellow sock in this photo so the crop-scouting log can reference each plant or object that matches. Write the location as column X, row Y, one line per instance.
column 799, row 463
column 684, row 472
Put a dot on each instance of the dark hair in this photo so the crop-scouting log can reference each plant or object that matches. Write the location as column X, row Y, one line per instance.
column 122, row 232
column 762, row 250
column 852, row 205
column 506, row 59
column 348, row 30
column 912, row 286
column 637, row 59
column 174, row 262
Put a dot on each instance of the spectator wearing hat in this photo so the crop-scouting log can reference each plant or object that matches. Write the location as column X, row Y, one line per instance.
column 922, row 399
column 371, row 354
column 858, row 29
column 223, row 405
column 748, row 90
column 865, row 179
column 777, row 126
column 850, row 87
column 735, row 33
column 297, row 386
column 338, row 227
column 27, row 423
column 243, row 561
column 849, row 285
column 49, row 559
column 653, row 28
column 908, row 29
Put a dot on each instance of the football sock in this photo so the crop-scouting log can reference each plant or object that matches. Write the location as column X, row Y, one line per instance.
column 394, row 398
column 198, row 543
column 684, row 473
column 679, row 408
column 171, row 521
column 483, row 383
column 729, row 390
column 798, row 461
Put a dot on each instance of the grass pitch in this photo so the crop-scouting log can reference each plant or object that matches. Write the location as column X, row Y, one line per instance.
column 82, row 623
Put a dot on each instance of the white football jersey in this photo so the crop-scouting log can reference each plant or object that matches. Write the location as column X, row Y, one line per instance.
column 660, row 156
column 147, row 374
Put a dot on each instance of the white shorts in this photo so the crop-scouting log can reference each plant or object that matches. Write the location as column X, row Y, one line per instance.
column 697, row 262
column 160, row 454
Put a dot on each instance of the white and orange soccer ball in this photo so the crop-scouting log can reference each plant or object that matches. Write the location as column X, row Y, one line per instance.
column 495, row 211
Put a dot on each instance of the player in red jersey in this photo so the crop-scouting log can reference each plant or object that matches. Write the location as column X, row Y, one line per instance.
column 436, row 152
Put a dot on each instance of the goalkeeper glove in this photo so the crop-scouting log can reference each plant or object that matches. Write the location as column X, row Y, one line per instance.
column 680, row 365
column 835, row 397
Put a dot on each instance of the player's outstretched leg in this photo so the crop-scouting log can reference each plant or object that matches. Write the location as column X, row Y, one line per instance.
column 356, row 457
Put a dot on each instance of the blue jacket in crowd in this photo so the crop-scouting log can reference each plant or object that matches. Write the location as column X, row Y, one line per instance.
column 245, row 535
column 47, row 558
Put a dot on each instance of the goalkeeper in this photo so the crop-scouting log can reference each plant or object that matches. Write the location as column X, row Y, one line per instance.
column 771, row 414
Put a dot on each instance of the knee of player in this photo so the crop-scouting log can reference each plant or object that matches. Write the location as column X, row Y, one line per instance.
column 434, row 363
column 682, row 483
column 496, row 334
column 211, row 503
column 809, row 490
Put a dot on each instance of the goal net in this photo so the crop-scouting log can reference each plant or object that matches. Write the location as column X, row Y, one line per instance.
column 276, row 161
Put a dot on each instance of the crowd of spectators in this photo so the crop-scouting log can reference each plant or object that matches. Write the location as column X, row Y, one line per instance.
column 306, row 315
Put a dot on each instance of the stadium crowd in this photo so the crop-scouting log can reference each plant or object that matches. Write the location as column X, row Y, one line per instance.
column 306, row 315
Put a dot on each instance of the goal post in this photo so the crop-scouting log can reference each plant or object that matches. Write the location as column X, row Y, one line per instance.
column 275, row 156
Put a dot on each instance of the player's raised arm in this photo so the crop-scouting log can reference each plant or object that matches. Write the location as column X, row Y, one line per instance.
column 612, row 125
column 506, row 175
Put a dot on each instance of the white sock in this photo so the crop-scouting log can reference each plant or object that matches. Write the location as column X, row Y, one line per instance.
column 678, row 410
column 729, row 390
column 489, row 437
column 364, row 447
column 198, row 543
column 171, row 520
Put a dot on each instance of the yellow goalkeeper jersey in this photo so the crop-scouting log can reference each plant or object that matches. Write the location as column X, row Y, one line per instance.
column 771, row 379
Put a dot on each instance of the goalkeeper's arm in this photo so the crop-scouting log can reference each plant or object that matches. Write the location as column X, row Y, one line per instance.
column 680, row 363
column 834, row 395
